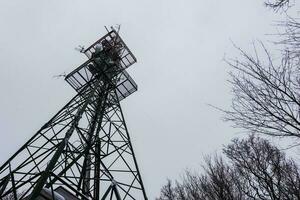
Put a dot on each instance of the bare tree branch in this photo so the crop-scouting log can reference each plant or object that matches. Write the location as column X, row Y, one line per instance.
column 255, row 170
column 276, row 5
column 265, row 94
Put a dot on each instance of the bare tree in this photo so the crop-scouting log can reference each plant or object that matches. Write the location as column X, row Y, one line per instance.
column 265, row 87
column 215, row 184
column 168, row 192
column 219, row 180
column 265, row 94
column 255, row 170
column 263, row 171
column 290, row 37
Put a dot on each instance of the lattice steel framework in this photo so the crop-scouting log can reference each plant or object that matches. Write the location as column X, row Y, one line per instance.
column 84, row 151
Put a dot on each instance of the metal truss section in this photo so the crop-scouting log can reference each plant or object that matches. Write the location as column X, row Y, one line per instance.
column 91, row 152
column 84, row 151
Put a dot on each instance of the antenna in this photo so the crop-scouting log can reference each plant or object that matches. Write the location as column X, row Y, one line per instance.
column 80, row 48
column 118, row 27
column 60, row 75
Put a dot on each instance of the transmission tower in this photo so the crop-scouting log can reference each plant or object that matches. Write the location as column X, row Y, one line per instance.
column 84, row 151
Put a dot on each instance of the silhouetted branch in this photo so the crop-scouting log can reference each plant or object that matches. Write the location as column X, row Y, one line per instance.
column 255, row 170
column 290, row 37
column 265, row 94
column 278, row 4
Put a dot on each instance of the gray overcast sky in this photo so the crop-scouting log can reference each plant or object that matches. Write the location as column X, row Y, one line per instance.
column 179, row 46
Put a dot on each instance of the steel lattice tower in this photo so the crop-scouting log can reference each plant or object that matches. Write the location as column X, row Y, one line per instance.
column 84, row 151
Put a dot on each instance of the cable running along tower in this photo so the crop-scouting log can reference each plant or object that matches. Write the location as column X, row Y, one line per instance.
column 84, row 151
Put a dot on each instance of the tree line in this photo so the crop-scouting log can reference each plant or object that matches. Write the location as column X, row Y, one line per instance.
column 250, row 168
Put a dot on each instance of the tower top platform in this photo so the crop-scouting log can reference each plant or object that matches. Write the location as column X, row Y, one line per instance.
column 108, row 59
column 114, row 40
